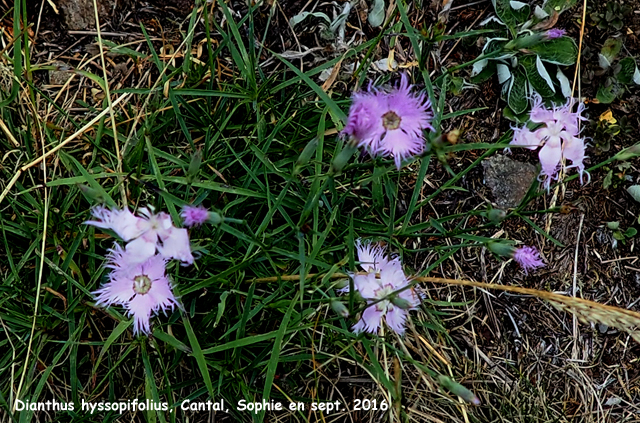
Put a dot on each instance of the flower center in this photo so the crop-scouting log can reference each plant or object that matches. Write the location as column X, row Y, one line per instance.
column 383, row 293
column 391, row 120
column 141, row 284
column 154, row 223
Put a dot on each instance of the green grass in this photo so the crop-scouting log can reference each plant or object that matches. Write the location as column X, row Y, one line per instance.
column 232, row 339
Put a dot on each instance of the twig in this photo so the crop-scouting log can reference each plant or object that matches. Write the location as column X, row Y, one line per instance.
column 40, row 273
column 575, row 279
column 59, row 146
column 587, row 311
column 123, row 192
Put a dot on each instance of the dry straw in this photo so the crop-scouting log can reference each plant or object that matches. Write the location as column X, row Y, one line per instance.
column 586, row 311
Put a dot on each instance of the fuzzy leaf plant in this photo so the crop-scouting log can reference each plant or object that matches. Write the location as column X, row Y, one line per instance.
column 527, row 54
column 619, row 74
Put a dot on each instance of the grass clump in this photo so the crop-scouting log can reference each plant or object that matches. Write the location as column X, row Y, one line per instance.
column 255, row 322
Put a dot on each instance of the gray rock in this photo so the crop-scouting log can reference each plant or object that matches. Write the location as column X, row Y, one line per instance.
column 509, row 180
column 60, row 75
column 79, row 15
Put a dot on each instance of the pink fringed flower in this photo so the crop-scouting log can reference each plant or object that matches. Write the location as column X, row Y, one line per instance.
column 142, row 288
column 145, row 234
column 390, row 123
column 528, row 258
column 559, row 138
column 384, row 277
column 194, row 215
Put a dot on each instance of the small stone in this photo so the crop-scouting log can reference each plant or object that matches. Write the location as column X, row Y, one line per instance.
column 509, row 180
column 60, row 75
column 79, row 14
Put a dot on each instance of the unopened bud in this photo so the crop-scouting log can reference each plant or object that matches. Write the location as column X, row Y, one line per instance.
column 306, row 154
column 194, row 166
column 214, row 218
column 339, row 308
column 401, row 302
column 496, row 215
column 629, row 153
column 91, row 194
column 456, row 389
column 341, row 160
column 342, row 283
column 501, row 248
column 524, row 42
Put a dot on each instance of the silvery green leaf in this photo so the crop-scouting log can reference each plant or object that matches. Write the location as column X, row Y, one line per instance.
column 505, row 13
column 518, row 91
column 503, row 73
column 540, row 13
column 302, row 16
column 613, row 225
column 543, row 73
column 636, row 76
column 603, row 61
column 538, row 83
column 610, row 51
column 339, row 24
column 478, row 66
column 565, row 86
column 376, row 14
column 517, row 5
column 634, row 191
column 625, row 70
column 559, row 51
column 491, row 19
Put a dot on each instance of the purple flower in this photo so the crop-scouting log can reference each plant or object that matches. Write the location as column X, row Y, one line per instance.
column 528, row 258
column 194, row 215
column 141, row 288
column 122, row 222
column 390, row 123
column 145, row 234
column 558, row 138
column 378, row 286
column 555, row 33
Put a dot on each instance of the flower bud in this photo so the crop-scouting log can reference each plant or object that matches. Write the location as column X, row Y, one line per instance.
column 341, row 160
column 401, row 302
column 501, row 248
column 92, row 195
column 194, row 166
column 339, row 308
column 629, row 153
column 456, row 389
column 496, row 215
column 306, row 154
column 524, row 42
column 214, row 218
column 342, row 283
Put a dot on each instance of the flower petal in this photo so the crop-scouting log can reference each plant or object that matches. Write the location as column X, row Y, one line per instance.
column 371, row 317
column 122, row 222
column 550, row 156
column 396, row 319
column 177, row 246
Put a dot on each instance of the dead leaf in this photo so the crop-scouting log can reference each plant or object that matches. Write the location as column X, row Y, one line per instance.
column 608, row 117
column 332, row 78
column 548, row 23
